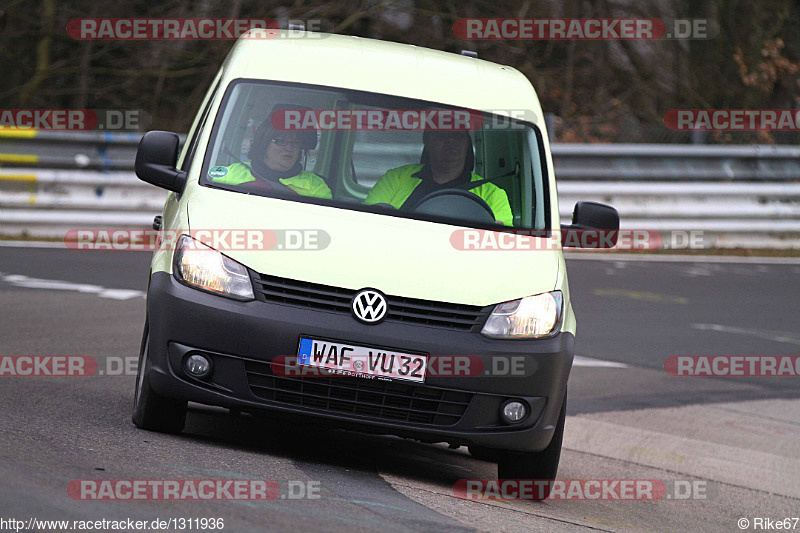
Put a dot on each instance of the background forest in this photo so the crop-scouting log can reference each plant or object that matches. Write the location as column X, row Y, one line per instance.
column 597, row 91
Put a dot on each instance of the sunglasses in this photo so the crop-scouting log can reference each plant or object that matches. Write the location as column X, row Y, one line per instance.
column 294, row 143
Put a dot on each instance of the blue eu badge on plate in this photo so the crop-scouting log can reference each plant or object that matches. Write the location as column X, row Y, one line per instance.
column 304, row 355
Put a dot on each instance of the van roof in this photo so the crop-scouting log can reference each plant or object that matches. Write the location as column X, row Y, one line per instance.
column 381, row 67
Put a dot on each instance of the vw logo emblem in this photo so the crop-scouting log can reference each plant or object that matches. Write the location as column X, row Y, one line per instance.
column 369, row 306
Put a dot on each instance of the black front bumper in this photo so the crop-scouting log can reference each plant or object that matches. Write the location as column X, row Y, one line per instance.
column 245, row 339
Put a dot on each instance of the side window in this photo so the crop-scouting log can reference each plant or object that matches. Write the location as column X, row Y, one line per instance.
column 375, row 152
column 500, row 153
column 195, row 137
column 248, row 107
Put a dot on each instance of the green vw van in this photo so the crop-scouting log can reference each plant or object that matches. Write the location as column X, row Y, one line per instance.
column 364, row 235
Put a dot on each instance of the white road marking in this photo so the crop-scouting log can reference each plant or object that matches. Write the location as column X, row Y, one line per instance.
column 588, row 361
column 55, row 285
column 761, row 334
column 33, row 244
column 695, row 271
column 56, row 245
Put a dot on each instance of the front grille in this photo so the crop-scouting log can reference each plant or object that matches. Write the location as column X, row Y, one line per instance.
column 325, row 297
column 379, row 400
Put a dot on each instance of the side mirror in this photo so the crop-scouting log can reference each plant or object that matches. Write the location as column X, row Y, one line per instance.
column 594, row 225
column 156, row 159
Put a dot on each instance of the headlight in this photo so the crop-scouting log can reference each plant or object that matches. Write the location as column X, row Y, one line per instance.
column 530, row 317
column 205, row 268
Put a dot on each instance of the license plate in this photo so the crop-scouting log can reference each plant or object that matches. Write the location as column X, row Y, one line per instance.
column 360, row 361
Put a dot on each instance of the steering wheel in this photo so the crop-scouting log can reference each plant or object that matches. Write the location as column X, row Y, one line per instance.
column 454, row 203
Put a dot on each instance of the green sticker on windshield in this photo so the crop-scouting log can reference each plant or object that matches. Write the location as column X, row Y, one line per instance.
column 217, row 172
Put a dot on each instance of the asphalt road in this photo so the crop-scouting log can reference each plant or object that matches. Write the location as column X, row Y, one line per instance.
column 736, row 437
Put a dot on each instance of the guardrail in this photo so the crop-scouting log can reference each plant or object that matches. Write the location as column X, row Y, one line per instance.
column 744, row 195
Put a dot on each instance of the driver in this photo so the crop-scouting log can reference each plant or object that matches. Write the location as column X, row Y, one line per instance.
column 275, row 156
column 447, row 160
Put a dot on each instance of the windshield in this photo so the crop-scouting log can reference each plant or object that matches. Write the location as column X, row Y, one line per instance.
column 372, row 152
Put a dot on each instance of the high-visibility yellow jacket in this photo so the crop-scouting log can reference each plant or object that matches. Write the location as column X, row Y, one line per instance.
column 304, row 184
column 397, row 184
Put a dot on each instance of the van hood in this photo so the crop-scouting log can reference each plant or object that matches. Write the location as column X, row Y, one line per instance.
column 398, row 256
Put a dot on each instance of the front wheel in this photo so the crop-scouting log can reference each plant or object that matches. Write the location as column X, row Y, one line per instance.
column 152, row 411
column 541, row 465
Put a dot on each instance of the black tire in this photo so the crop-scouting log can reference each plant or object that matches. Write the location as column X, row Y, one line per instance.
column 152, row 411
column 541, row 465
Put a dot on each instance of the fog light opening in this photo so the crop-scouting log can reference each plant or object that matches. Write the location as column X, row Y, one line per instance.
column 197, row 365
column 513, row 411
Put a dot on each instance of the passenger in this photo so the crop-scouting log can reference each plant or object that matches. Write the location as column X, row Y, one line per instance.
column 447, row 160
column 275, row 161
